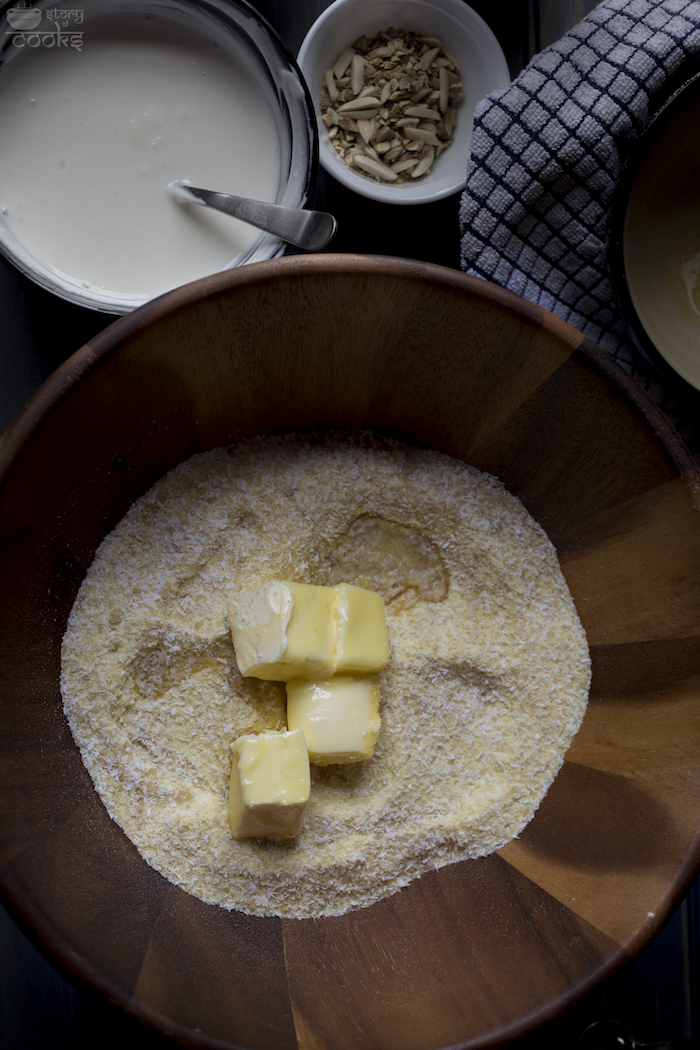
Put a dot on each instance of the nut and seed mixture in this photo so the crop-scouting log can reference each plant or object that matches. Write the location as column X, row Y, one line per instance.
column 389, row 104
column 486, row 684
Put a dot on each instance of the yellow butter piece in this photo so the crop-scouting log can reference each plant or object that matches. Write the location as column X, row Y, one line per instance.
column 339, row 717
column 362, row 640
column 284, row 630
column 270, row 785
column 258, row 621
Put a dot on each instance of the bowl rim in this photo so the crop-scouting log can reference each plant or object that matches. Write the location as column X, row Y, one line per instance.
column 39, row 926
column 682, row 87
column 88, row 357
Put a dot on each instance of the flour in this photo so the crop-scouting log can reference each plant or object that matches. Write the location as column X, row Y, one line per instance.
column 485, row 687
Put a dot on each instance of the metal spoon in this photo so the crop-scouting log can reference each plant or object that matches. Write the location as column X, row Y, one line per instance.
column 613, row 1035
column 305, row 229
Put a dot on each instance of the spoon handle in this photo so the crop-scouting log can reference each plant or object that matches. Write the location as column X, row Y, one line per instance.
column 311, row 230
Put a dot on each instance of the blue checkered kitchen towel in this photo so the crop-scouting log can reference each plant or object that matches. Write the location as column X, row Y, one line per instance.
column 545, row 154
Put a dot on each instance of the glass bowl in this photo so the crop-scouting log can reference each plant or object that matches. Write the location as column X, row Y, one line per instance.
column 70, row 200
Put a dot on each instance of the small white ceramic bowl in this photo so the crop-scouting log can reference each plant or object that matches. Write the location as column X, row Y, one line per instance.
column 465, row 35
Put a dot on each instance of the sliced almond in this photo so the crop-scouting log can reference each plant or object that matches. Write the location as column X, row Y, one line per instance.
column 376, row 168
column 343, row 62
column 444, row 89
column 423, row 164
column 331, row 85
column 404, row 165
column 422, row 112
column 367, row 128
column 384, row 134
column 369, row 102
column 429, row 57
column 424, row 136
column 357, row 73
column 380, row 52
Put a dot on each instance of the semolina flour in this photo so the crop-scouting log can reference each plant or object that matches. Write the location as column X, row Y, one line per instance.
column 486, row 684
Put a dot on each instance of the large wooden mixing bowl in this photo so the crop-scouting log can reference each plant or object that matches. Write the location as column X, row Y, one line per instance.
column 478, row 952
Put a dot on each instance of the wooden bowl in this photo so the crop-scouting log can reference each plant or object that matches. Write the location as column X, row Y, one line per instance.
column 478, row 952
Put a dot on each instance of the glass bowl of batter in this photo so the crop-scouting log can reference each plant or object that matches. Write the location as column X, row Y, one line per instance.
column 102, row 107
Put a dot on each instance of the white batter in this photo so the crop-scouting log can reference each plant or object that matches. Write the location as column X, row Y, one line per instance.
column 91, row 139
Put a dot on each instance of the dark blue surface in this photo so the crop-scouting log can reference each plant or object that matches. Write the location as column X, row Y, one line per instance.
column 657, row 995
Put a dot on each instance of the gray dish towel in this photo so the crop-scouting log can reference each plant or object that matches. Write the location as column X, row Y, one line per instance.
column 545, row 155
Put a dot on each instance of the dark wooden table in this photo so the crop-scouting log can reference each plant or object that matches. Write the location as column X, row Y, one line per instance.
column 657, row 995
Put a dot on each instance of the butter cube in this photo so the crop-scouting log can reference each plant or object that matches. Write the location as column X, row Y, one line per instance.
column 339, row 717
column 270, row 785
column 284, row 630
column 259, row 621
column 362, row 642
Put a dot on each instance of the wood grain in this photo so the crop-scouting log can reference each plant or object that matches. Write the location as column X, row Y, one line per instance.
column 475, row 953
column 438, row 957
